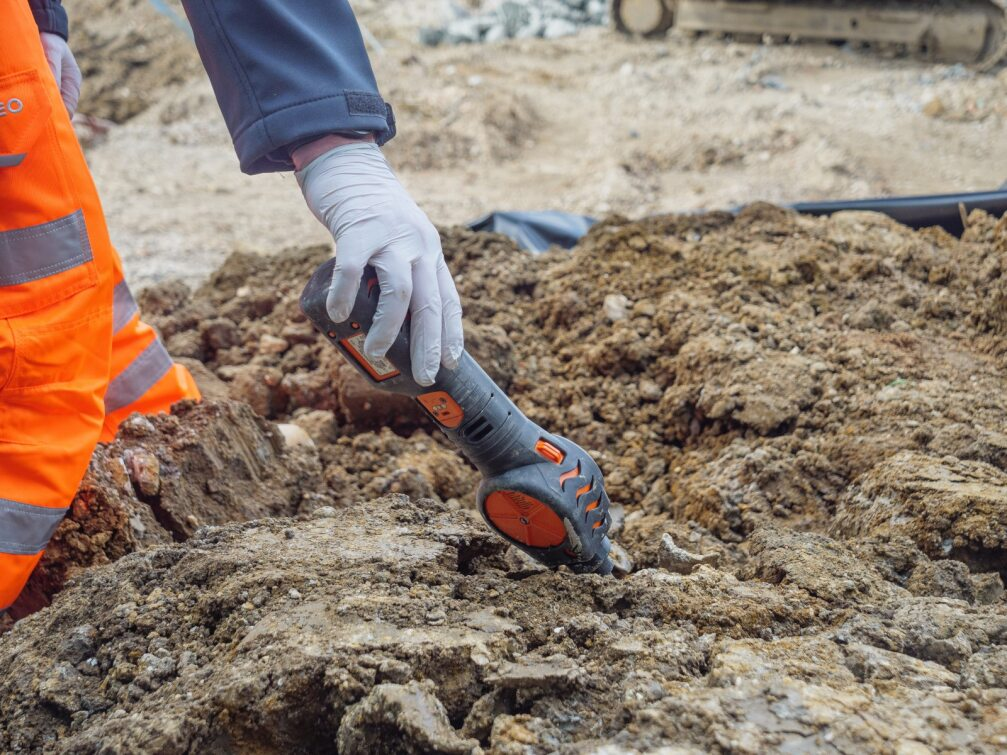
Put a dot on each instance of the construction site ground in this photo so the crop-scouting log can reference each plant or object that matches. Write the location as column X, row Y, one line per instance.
column 591, row 124
column 801, row 422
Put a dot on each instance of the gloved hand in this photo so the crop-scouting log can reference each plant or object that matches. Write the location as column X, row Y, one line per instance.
column 374, row 221
column 64, row 69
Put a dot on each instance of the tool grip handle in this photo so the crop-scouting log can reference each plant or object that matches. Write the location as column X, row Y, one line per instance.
column 465, row 402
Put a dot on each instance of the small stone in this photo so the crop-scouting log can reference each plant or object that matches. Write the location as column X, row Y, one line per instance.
column 219, row 333
column 299, row 332
column 270, row 344
column 934, row 108
column 432, row 36
column 324, row 512
column 320, row 424
column 436, row 616
column 989, row 588
column 79, row 645
column 559, row 27
column 556, row 671
column 615, row 307
column 138, row 426
column 60, row 688
column 294, row 594
column 394, row 671
column 496, row 33
column 772, row 81
column 644, row 308
column 463, row 30
column 294, row 436
column 622, row 564
column 650, row 391
column 520, row 563
column 680, row 561
column 400, row 718
column 157, row 666
column 144, row 471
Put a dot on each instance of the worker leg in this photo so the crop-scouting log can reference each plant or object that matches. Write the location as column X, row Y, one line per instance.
column 56, row 284
column 143, row 378
column 54, row 365
column 61, row 369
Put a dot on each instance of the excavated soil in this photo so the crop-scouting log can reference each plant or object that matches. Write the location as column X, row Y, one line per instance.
column 802, row 417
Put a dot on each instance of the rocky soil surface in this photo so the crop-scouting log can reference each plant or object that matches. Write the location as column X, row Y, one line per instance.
column 802, row 417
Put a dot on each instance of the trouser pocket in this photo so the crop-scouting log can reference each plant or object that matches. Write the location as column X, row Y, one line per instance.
column 45, row 253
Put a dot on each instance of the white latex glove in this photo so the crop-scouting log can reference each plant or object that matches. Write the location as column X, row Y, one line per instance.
column 64, row 69
column 374, row 221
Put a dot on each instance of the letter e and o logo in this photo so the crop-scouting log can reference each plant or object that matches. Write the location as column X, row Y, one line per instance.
column 13, row 106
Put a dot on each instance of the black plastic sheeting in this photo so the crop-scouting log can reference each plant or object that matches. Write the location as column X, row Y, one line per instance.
column 945, row 210
column 537, row 231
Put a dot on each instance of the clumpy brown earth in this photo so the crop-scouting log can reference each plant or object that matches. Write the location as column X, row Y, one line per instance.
column 164, row 477
column 803, row 418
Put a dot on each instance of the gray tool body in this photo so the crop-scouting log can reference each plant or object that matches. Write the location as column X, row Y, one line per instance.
column 541, row 492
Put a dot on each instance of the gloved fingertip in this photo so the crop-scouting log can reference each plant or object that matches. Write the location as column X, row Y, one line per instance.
column 449, row 360
column 424, row 378
column 375, row 351
column 337, row 315
column 337, row 311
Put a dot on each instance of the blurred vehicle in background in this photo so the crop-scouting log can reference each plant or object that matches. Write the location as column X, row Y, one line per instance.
column 952, row 31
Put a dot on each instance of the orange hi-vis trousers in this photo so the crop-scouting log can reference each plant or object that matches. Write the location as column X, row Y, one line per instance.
column 75, row 359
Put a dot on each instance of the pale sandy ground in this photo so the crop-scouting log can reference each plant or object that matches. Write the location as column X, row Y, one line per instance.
column 591, row 124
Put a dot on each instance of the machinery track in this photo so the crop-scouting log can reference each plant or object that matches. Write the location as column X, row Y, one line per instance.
column 950, row 31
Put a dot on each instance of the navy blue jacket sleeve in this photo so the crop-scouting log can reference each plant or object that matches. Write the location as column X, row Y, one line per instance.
column 50, row 16
column 285, row 72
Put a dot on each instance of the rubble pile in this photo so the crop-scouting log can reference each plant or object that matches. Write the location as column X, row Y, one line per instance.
column 802, row 417
column 518, row 19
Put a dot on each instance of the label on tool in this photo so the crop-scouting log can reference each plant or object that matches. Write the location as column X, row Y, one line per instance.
column 443, row 408
column 379, row 369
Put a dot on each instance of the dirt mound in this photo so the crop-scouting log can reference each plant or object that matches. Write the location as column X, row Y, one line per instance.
column 727, row 371
column 802, row 417
column 129, row 54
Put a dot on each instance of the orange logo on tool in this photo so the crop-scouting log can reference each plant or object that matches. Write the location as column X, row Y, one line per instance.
column 443, row 408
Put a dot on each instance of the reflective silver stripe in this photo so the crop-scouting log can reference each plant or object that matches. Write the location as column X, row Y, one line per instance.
column 11, row 161
column 123, row 306
column 24, row 529
column 39, row 251
column 134, row 381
